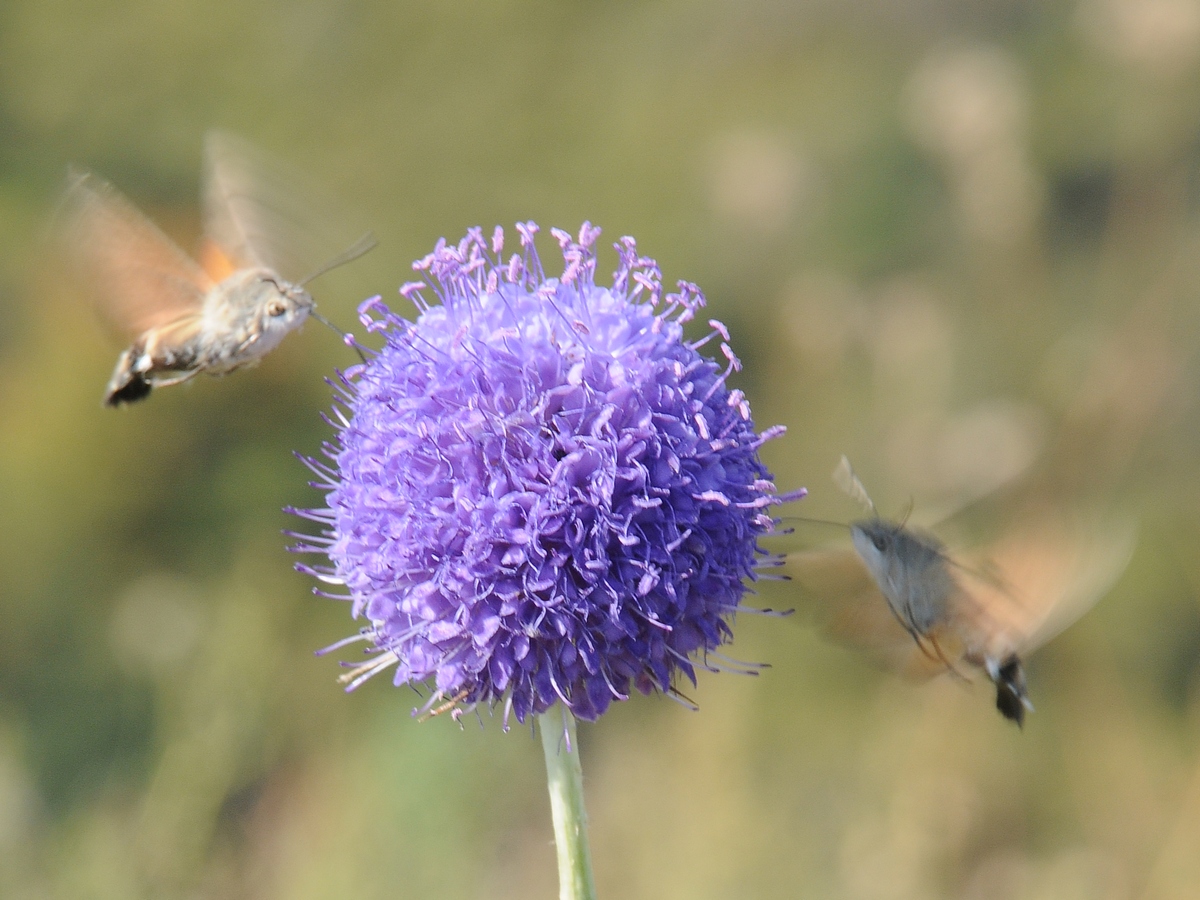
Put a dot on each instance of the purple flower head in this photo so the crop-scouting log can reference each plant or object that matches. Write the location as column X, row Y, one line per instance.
column 540, row 490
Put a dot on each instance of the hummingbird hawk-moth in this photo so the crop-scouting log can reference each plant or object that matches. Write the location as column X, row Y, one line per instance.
column 220, row 312
column 901, row 595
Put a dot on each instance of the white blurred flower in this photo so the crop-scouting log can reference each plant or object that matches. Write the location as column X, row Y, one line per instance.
column 157, row 623
column 911, row 341
column 757, row 180
column 968, row 107
column 1157, row 38
column 823, row 314
column 964, row 102
column 19, row 801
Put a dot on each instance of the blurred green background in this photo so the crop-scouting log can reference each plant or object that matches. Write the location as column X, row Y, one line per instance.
column 916, row 217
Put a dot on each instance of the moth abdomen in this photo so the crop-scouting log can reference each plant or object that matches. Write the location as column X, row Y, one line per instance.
column 148, row 364
column 126, row 387
column 1012, row 698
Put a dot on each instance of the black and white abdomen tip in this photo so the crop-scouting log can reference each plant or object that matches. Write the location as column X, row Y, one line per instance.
column 1012, row 698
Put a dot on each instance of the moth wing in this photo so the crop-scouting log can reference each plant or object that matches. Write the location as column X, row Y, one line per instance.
column 850, row 485
column 138, row 276
column 258, row 212
column 971, row 456
column 1039, row 579
column 841, row 598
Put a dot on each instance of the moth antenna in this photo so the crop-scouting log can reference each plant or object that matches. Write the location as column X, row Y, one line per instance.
column 362, row 246
column 849, row 483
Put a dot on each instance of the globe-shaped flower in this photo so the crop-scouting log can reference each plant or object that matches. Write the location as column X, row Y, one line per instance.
column 541, row 491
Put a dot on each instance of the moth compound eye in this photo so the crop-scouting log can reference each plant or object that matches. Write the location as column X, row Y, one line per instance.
column 276, row 308
column 879, row 541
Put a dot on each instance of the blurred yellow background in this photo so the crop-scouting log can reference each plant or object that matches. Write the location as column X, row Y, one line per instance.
column 913, row 216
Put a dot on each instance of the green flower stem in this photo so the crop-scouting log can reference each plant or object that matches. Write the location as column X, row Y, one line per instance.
column 565, row 778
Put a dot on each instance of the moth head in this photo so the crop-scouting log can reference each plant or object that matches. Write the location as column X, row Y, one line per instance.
column 875, row 542
column 282, row 305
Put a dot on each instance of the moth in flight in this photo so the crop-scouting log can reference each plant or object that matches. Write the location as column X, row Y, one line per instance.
column 899, row 594
column 226, row 310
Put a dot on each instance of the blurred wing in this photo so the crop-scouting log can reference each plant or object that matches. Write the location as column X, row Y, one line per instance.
column 841, row 598
column 260, row 213
column 1038, row 580
column 138, row 275
column 848, row 483
column 968, row 457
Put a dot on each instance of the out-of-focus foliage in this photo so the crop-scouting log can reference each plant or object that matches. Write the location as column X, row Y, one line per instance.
column 911, row 215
